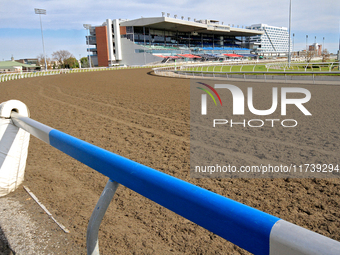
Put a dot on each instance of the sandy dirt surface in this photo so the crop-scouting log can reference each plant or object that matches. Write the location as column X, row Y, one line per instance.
column 147, row 119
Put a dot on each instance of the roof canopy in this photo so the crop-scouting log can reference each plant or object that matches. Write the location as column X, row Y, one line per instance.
column 11, row 64
column 172, row 24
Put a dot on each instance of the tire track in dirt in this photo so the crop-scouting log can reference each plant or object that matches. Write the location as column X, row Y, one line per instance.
column 150, row 130
column 154, row 131
column 117, row 107
column 145, row 129
column 239, row 155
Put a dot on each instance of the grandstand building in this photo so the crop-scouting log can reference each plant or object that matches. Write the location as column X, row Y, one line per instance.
column 149, row 40
column 273, row 41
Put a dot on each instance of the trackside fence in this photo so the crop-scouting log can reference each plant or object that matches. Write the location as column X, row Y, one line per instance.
column 249, row 228
column 246, row 71
column 15, row 75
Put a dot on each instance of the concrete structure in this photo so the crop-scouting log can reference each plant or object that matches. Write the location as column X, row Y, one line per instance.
column 273, row 41
column 142, row 41
column 316, row 48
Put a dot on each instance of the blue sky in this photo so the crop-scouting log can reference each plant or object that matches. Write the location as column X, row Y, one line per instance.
column 20, row 34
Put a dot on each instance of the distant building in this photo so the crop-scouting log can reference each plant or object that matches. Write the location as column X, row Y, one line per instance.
column 317, row 48
column 28, row 61
column 13, row 66
column 273, row 41
column 147, row 40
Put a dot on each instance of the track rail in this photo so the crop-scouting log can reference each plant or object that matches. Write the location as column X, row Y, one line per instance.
column 249, row 228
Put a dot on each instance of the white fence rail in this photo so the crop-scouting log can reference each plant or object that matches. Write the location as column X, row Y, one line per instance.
column 227, row 70
column 15, row 76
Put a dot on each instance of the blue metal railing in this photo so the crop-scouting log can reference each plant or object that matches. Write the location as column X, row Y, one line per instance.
column 249, row 228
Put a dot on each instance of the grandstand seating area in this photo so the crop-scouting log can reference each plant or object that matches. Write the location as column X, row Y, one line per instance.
column 196, row 48
column 202, row 57
column 181, row 52
column 147, row 38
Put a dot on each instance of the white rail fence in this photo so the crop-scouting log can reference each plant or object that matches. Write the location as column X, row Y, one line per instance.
column 236, row 70
column 15, row 76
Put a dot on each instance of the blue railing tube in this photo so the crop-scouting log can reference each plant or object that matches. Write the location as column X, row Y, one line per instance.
column 242, row 225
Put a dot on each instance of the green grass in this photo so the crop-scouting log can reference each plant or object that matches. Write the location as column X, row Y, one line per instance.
column 231, row 68
column 324, row 67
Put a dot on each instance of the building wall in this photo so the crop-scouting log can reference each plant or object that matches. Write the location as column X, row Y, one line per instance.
column 102, row 46
column 275, row 39
column 123, row 30
column 317, row 48
column 134, row 54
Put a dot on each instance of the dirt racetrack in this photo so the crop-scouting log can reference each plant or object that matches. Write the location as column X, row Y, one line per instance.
column 146, row 119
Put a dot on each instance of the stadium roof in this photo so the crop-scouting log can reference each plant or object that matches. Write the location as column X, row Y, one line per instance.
column 179, row 25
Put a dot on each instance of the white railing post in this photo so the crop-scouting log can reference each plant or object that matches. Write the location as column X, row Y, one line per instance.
column 14, row 146
column 98, row 213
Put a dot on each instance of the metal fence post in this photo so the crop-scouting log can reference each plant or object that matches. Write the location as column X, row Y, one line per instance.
column 97, row 217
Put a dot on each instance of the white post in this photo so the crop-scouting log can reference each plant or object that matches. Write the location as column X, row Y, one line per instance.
column 13, row 147
column 290, row 21
column 118, row 44
column 88, row 26
column 42, row 11
column 97, row 217
column 110, row 41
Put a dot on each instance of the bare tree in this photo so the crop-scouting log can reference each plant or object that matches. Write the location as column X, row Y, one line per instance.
column 325, row 55
column 309, row 55
column 41, row 60
column 61, row 56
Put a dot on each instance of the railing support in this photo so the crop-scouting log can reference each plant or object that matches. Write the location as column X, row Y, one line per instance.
column 97, row 217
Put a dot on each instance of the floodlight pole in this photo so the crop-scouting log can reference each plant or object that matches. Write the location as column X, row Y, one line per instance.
column 323, row 47
column 88, row 26
column 306, row 47
column 290, row 21
column 42, row 11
